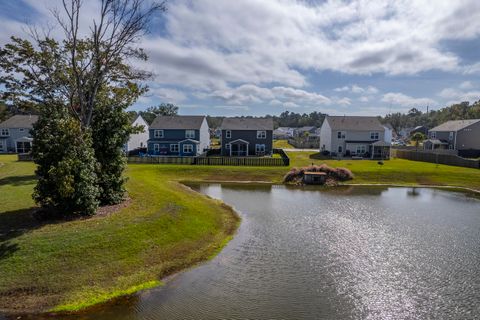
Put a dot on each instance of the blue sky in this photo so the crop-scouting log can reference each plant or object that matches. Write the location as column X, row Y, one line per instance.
column 254, row 57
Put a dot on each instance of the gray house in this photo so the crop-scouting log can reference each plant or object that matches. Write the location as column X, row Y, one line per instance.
column 355, row 136
column 457, row 135
column 15, row 134
column 243, row 137
column 178, row 136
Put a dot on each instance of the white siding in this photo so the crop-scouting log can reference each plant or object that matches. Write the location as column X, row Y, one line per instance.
column 388, row 134
column 138, row 140
column 326, row 136
column 204, row 136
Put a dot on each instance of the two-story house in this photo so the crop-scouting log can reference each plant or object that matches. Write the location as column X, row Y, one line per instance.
column 457, row 135
column 242, row 137
column 139, row 139
column 15, row 134
column 178, row 136
column 354, row 136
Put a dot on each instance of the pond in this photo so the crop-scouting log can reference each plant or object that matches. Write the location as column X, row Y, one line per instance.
column 343, row 253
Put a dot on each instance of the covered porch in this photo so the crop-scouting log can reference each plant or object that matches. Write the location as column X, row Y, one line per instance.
column 239, row 148
column 380, row 150
column 23, row 145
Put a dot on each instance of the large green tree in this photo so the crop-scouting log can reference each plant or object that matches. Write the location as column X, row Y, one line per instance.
column 164, row 109
column 91, row 79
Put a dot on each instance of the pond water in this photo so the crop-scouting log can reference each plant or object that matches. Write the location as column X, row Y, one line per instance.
column 343, row 253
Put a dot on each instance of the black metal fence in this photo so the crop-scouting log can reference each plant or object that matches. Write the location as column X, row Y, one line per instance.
column 447, row 159
column 219, row 161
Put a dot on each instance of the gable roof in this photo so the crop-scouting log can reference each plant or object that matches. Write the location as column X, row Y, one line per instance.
column 354, row 123
column 247, row 124
column 177, row 122
column 455, row 125
column 19, row 121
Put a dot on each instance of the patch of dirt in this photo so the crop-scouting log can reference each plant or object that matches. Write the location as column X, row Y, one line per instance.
column 109, row 210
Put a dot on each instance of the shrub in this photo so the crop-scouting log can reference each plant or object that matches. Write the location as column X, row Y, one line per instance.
column 336, row 174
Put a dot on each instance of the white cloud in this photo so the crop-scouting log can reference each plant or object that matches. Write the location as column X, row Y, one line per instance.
column 364, row 99
column 168, row 95
column 290, row 104
column 358, row 89
column 466, row 85
column 457, row 95
column 244, row 108
column 404, row 100
column 344, row 101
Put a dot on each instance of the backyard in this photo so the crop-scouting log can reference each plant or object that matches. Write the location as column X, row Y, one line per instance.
column 162, row 228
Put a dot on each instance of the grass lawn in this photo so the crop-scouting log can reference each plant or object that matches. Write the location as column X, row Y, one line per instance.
column 282, row 144
column 165, row 227
column 70, row 265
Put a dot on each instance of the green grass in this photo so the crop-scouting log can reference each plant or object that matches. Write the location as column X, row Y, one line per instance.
column 164, row 228
column 282, row 144
column 71, row 265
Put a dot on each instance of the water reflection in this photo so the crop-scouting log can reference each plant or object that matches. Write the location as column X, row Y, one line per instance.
column 317, row 253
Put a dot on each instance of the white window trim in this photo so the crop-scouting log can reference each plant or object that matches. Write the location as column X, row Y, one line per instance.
column 189, row 146
column 340, row 149
column 261, row 134
column 450, row 135
column 156, row 147
column 175, row 145
column 2, row 145
column 342, row 135
column 433, row 135
column 374, row 134
column 228, row 134
column 21, row 129
column 227, row 146
column 159, row 135
column 363, row 149
column 4, row 132
column 189, row 136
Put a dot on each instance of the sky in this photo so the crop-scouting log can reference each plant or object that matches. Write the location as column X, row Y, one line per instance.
column 257, row 57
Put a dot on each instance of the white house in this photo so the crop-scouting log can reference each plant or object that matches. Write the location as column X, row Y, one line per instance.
column 355, row 136
column 138, row 140
column 15, row 134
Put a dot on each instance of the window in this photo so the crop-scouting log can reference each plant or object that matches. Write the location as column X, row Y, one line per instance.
column 23, row 147
column 141, row 144
column 259, row 148
column 374, row 135
column 262, row 134
column 228, row 134
column 341, row 135
column 158, row 133
column 433, row 135
column 450, row 135
column 4, row 133
column 361, row 149
column 190, row 134
column 156, row 147
column 340, row 149
column 2, row 148
column 187, row 148
column 227, row 146
column 21, row 129
column 174, row 148
column 450, row 147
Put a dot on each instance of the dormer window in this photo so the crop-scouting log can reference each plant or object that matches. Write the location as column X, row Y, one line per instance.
column 4, row 133
column 341, row 134
column 190, row 134
column 374, row 135
column 158, row 133
column 433, row 135
column 228, row 134
column 450, row 135
column 262, row 134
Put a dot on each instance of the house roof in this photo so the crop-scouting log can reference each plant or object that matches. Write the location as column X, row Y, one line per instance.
column 358, row 123
column 381, row 144
column 455, row 125
column 247, row 124
column 19, row 121
column 436, row 141
column 177, row 122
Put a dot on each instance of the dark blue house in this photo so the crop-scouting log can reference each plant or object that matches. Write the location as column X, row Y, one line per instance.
column 242, row 137
column 178, row 136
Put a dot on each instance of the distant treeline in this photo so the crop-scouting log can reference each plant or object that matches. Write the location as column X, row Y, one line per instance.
column 412, row 118
column 415, row 117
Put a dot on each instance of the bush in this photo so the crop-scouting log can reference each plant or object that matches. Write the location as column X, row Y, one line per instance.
column 67, row 182
column 337, row 174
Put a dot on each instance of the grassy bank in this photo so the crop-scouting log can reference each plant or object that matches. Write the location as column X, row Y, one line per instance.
column 70, row 265
column 165, row 227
